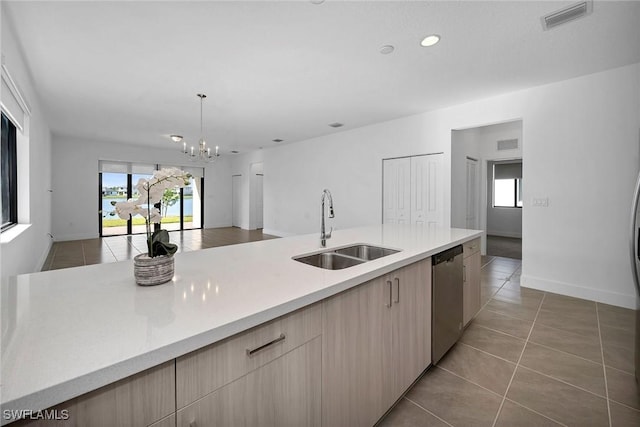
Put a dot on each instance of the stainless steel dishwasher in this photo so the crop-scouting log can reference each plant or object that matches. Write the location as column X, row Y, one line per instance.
column 446, row 311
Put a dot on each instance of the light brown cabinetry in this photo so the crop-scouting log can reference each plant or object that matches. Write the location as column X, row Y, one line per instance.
column 471, row 261
column 139, row 400
column 267, row 376
column 284, row 392
column 376, row 342
column 204, row 371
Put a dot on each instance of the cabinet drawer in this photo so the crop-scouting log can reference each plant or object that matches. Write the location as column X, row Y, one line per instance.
column 205, row 370
column 285, row 392
column 139, row 400
column 471, row 247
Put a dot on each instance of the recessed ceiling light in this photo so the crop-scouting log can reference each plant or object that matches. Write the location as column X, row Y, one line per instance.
column 386, row 49
column 176, row 138
column 336, row 125
column 317, row 1
column 277, row 140
column 430, row 40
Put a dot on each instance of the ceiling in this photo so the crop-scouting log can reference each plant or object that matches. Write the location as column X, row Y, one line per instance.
column 129, row 71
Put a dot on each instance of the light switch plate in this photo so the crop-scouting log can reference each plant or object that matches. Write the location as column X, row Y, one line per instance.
column 541, row 202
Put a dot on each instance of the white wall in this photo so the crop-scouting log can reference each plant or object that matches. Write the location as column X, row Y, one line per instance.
column 75, row 183
column 580, row 150
column 27, row 251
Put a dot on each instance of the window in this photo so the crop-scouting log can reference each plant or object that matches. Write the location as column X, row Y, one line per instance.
column 9, row 174
column 182, row 209
column 507, row 185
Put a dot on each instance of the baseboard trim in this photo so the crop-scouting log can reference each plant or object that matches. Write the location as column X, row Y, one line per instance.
column 504, row 234
column 80, row 236
column 572, row 290
column 43, row 257
column 278, row 233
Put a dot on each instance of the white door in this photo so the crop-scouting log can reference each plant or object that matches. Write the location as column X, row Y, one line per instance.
column 473, row 207
column 396, row 191
column 236, row 212
column 259, row 202
column 427, row 195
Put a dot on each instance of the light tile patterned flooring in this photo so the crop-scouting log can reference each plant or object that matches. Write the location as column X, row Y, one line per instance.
column 119, row 248
column 530, row 358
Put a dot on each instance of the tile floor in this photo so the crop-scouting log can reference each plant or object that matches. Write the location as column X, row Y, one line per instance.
column 507, row 247
column 530, row 358
column 119, row 248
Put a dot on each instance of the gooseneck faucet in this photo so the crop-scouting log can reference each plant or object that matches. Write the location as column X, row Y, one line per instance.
column 324, row 236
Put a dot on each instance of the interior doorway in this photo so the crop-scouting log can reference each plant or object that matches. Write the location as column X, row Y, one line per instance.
column 236, row 194
column 256, row 209
column 487, row 185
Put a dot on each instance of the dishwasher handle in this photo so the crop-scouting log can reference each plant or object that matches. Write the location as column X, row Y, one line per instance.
column 447, row 256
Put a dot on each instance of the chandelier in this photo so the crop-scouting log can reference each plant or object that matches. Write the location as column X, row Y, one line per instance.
column 200, row 153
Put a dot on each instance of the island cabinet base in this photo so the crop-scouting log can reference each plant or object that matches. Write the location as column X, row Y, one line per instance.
column 284, row 392
column 376, row 343
column 139, row 400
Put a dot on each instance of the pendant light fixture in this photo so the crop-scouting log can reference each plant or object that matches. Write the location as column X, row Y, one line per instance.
column 201, row 153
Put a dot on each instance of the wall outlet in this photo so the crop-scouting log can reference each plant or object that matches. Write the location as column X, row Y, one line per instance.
column 542, row 202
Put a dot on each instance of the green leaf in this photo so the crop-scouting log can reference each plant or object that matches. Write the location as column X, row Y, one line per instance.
column 160, row 244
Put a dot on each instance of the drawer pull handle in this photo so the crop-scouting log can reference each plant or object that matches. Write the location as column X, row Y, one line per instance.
column 251, row 353
column 397, row 300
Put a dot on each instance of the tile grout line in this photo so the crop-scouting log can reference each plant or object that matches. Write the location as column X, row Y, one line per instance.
column 469, row 381
column 487, row 353
column 536, row 412
column 499, row 332
column 604, row 368
column 562, row 381
column 427, row 411
column 518, row 362
column 535, row 370
column 84, row 257
column 499, row 395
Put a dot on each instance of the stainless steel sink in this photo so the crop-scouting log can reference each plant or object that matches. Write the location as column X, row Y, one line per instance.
column 337, row 259
column 366, row 252
column 330, row 260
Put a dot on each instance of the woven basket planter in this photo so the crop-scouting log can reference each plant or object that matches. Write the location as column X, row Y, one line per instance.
column 153, row 271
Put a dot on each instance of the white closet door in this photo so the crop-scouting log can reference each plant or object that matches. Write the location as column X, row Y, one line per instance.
column 472, row 194
column 427, row 194
column 259, row 202
column 396, row 190
column 236, row 193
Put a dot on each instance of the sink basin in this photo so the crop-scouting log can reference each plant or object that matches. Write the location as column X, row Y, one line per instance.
column 366, row 252
column 330, row 260
column 337, row 259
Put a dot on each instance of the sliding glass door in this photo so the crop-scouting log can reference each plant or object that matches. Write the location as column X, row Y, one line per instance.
column 181, row 209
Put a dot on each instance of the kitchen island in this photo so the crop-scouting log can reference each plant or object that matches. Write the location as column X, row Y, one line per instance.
column 68, row 332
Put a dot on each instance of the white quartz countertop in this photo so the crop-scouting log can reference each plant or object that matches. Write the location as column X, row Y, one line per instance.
column 67, row 332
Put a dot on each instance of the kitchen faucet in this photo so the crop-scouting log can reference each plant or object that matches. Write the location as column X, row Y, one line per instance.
column 324, row 236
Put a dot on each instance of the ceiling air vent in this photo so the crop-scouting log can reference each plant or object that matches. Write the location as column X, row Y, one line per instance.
column 508, row 144
column 559, row 17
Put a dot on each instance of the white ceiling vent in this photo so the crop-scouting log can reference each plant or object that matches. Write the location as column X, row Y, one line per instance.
column 569, row 13
column 508, row 144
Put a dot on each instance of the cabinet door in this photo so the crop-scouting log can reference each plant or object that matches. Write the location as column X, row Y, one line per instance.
column 356, row 365
column 471, row 290
column 138, row 400
column 411, row 320
column 284, row 392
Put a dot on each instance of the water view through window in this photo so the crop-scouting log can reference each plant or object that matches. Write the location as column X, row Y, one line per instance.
column 181, row 208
